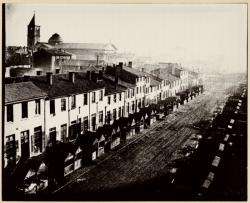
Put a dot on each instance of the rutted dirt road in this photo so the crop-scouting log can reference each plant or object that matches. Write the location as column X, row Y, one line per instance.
column 149, row 155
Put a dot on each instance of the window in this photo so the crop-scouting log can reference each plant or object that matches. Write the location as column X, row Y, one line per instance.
column 37, row 147
column 133, row 106
column 120, row 112
column 73, row 130
column 64, row 132
column 85, row 123
column 108, row 117
column 63, row 104
column 115, row 98
column 38, row 72
column 128, row 108
column 10, row 147
column 57, row 71
column 52, row 135
column 140, row 89
column 10, row 113
column 114, row 114
column 25, row 147
column 73, row 101
column 101, row 117
column 38, row 106
column 109, row 100
column 128, row 93
column 139, row 103
column 93, row 97
column 52, row 106
column 137, row 90
column 101, row 95
column 133, row 92
column 24, row 109
column 93, row 121
column 85, row 99
column 120, row 96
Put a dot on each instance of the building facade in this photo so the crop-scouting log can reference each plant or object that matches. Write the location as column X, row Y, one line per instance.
column 60, row 107
column 24, row 128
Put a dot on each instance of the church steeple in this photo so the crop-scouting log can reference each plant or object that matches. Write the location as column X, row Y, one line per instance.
column 33, row 33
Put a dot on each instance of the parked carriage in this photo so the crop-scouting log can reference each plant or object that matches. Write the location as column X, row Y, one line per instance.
column 124, row 127
column 132, row 124
column 35, row 177
column 170, row 105
column 115, row 135
column 183, row 97
column 101, row 142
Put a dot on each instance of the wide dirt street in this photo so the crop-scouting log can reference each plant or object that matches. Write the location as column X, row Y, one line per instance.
column 149, row 154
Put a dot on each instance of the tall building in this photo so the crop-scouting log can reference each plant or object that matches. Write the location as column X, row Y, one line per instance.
column 33, row 33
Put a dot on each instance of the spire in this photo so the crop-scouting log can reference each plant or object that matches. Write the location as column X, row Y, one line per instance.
column 32, row 22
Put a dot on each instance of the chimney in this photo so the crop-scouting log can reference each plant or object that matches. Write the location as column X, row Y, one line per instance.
column 26, row 78
column 116, row 81
column 173, row 70
column 100, row 76
column 130, row 64
column 49, row 78
column 93, row 76
column 88, row 75
column 120, row 65
column 117, row 76
column 72, row 77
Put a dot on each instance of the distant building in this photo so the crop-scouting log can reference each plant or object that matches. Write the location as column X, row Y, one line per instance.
column 50, row 60
column 175, row 73
column 84, row 53
column 33, row 36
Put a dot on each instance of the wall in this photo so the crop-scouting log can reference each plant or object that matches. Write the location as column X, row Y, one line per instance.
column 22, row 124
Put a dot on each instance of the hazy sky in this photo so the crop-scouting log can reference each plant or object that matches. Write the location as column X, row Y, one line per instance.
column 206, row 36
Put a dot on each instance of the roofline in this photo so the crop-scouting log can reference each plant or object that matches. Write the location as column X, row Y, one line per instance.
column 19, row 101
column 71, row 94
column 116, row 91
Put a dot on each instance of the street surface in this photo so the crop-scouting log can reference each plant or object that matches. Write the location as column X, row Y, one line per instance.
column 148, row 156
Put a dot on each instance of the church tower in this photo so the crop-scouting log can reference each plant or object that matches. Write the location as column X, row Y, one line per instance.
column 33, row 33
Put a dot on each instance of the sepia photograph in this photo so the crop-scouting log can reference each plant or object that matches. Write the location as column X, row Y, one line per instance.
column 124, row 102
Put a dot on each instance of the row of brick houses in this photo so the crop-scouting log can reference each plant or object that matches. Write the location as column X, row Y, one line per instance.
column 132, row 90
column 96, row 108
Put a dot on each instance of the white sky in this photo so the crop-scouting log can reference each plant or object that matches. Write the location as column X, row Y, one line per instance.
column 208, row 36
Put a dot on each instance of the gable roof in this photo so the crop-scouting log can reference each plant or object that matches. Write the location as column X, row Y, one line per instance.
column 23, row 91
column 134, row 71
column 54, row 52
column 93, row 46
column 167, row 76
column 154, row 80
column 61, row 86
column 120, row 82
column 110, row 87
column 43, row 45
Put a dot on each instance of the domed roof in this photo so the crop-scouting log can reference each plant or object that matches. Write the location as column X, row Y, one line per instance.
column 55, row 39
